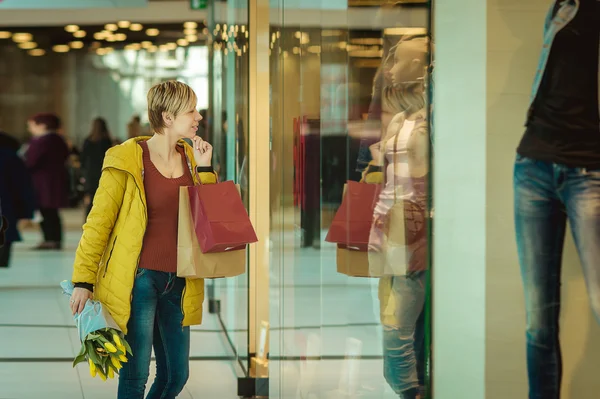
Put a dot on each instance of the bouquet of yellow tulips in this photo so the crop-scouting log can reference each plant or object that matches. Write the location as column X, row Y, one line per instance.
column 104, row 350
column 102, row 343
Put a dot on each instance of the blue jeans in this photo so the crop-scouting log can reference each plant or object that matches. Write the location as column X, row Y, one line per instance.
column 156, row 321
column 403, row 340
column 546, row 195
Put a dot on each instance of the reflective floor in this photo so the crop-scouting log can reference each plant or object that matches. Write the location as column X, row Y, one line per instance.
column 38, row 339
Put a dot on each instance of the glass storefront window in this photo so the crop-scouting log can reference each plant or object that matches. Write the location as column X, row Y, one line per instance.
column 350, row 196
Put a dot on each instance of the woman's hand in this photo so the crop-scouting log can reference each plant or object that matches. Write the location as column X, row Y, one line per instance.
column 202, row 151
column 79, row 298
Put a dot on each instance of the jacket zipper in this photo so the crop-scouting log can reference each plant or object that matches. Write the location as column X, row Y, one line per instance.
column 110, row 256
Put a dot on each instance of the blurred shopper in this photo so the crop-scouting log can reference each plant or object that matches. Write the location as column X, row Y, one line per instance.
column 127, row 256
column 16, row 193
column 46, row 160
column 134, row 127
column 92, row 158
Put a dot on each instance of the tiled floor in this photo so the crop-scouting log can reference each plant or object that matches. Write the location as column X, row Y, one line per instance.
column 314, row 312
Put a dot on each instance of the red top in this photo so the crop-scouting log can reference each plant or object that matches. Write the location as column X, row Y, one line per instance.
column 159, row 250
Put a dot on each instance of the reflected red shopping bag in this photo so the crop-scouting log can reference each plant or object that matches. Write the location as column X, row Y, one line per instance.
column 352, row 222
column 220, row 219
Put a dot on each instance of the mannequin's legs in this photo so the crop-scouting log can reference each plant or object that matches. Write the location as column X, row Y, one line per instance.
column 540, row 222
column 582, row 197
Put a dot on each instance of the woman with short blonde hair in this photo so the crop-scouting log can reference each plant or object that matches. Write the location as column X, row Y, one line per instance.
column 127, row 256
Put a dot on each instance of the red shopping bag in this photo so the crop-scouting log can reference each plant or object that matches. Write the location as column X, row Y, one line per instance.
column 352, row 222
column 220, row 219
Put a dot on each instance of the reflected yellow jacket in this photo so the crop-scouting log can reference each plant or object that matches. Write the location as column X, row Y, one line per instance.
column 109, row 250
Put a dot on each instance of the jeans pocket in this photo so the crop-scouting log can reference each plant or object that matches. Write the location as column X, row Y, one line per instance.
column 140, row 272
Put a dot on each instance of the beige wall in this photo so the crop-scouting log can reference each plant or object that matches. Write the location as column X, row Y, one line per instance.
column 514, row 42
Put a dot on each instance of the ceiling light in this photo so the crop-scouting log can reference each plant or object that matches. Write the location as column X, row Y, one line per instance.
column 190, row 25
column 111, row 27
column 171, row 46
column 205, row 31
column 76, row 44
column 163, row 48
column 146, row 44
column 243, row 28
column 79, row 34
column 111, row 39
column 124, row 24
column 152, row 49
column 5, row 35
column 189, row 31
column 99, row 36
column 71, row 28
column 404, row 31
column 121, row 37
column 60, row 48
column 37, row 52
column 22, row 37
column 191, row 38
column 152, row 32
column 136, row 27
column 182, row 42
column 133, row 46
column 28, row 45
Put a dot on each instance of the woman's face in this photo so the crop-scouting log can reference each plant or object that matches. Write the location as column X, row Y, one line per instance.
column 185, row 125
column 409, row 62
column 35, row 129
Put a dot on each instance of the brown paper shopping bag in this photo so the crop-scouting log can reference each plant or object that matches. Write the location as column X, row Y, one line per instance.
column 191, row 262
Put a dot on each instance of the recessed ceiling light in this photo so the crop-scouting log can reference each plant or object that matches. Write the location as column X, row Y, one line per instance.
column 60, row 48
column 80, row 34
column 111, row 38
column 146, row 44
column 37, row 52
column 71, row 28
column 171, row 46
column 120, row 37
column 28, row 45
column 136, row 27
column 124, row 24
column 22, row 37
column 76, row 44
column 111, row 27
column 191, row 38
column 189, row 31
column 182, row 42
column 152, row 49
column 152, row 32
column 133, row 46
column 190, row 25
column 5, row 35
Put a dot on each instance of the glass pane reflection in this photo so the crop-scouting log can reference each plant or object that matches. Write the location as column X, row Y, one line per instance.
column 350, row 200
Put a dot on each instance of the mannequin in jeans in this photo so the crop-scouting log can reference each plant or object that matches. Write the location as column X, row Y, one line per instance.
column 557, row 178
column 403, row 152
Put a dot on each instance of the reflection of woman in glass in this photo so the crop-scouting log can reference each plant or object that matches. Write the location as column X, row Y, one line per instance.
column 403, row 154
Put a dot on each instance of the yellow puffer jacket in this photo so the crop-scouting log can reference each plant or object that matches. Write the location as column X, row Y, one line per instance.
column 109, row 250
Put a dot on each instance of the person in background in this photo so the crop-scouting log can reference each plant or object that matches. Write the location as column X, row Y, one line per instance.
column 134, row 127
column 16, row 193
column 92, row 158
column 46, row 160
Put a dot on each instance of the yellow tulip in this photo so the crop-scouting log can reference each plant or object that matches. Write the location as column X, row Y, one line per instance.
column 117, row 340
column 111, row 373
column 92, row 368
column 110, row 347
column 123, row 358
column 101, row 374
column 116, row 362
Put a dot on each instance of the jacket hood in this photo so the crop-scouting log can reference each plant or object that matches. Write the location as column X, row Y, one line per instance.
column 128, row 157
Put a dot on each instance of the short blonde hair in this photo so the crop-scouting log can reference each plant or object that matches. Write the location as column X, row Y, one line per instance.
column 172, row 97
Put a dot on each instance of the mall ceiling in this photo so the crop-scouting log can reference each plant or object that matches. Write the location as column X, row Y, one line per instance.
column 120, row 34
